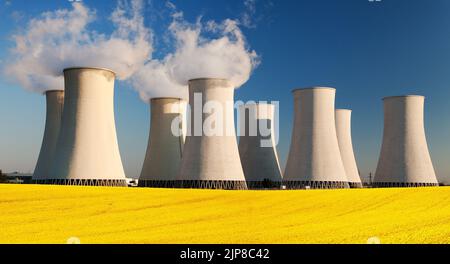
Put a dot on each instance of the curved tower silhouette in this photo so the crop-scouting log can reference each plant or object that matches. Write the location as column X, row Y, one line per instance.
column 404, row 159
column 314, row 159
column 257, row 147
column 344, row 135
column 165, row 148
column 55, row 102
column 210, row 156
column 87, row 152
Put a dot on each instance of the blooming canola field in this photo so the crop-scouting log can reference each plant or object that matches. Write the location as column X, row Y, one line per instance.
column 56, row 214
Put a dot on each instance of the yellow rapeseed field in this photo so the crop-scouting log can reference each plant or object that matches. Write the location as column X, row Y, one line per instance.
column 53, row 214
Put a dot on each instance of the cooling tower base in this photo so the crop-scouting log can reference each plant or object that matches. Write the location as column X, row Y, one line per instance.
column 263, row 184
column 157, row 184
column 316, row 185
column 84, row 182
column 355, row 185
column 224, row 185
column 403, row 184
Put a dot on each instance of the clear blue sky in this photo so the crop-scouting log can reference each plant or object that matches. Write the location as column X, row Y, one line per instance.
column 367, row 50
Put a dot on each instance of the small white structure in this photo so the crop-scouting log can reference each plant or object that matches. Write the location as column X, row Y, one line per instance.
column 87, row 152
column 164, row 150
column 210, row 156
column 344, row 135
column 257, row 147
column 314, row 158
column 404, row 159
column 55, row 102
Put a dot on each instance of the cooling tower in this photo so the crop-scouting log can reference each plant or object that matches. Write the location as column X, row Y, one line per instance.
column 210, row 156
column 257, row 146
column 164, row 149
column 344, row 135
column 55, row 102
column 314, row 159
column 87, row 152
column 404, row 158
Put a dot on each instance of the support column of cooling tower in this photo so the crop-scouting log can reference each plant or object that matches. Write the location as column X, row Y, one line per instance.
column 211, row 159
column 344, row 135
column 314, row 159
column 163, row 157
column 257, row 151
column 55, row 102
column 404, row 159
column 87, row 152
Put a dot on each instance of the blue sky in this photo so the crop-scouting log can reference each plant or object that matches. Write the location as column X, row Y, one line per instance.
column 366, row 50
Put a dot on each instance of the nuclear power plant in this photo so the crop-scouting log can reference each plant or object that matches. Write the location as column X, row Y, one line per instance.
column 87, row 152
column 257, row 146
column 55, row 102
column 210, row 156
column 80, row 147
column 404, row 159
column 344, row 135
column 165, row 145
column 314, row 159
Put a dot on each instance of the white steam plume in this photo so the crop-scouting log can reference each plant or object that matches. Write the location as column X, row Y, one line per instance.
column 201, row 50
column 60, row 39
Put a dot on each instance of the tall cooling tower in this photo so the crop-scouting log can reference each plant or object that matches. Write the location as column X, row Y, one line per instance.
column 211, row 157
column 87, row 152
column 257, row 147
column 404, row 159
column 55, row 102
column 344, row 135
column 314, row 159
column 164, row 149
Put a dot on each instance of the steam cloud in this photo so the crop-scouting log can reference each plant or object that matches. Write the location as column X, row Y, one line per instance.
column 223, row 55
column 61, row 39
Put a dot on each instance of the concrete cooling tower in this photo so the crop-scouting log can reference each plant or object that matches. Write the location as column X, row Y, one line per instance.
column 404, row 158
column 344, row 135
column 314, row 159
column 163, row 157
column 210, row 156
column 257, row 147
column 55, row 102
column 87, row 152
